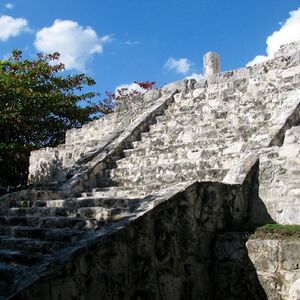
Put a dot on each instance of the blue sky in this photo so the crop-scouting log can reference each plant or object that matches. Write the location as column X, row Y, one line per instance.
column 120, row 41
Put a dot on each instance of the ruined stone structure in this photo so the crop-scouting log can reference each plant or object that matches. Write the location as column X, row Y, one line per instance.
column 153, row 201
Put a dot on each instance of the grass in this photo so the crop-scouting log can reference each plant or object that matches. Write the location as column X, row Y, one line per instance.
column 288, row 229
column 274, row 231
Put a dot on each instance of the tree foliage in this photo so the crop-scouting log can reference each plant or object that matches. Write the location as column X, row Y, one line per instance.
column 37, row 105
column 107, row 105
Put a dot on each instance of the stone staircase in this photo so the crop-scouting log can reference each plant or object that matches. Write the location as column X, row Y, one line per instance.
column 32, row 231
column 205, row 145
column 184, row 133
column 51, row 166
column 78, row 142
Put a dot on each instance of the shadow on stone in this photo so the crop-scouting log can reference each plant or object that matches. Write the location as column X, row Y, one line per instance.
column 233, row 273
column 257, row 214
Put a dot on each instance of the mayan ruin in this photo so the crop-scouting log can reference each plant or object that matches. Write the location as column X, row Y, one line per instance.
column 160, row 199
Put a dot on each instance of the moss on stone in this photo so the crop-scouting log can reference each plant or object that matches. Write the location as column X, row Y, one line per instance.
column 274, row 231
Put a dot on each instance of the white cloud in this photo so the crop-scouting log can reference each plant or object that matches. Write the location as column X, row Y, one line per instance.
column 75, row 43
column 197, row 76
column 289, row 32
column 12, row 27
column 9, row 5
column 181, row 65
column 130, row 87
column 257, row 60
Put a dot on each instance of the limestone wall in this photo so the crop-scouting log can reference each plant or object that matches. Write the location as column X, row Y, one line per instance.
column 277, row 263
column 256, row 267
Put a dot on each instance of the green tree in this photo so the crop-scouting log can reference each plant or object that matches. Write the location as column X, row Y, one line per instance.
column 37, row 105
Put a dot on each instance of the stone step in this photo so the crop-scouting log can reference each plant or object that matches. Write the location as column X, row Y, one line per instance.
column 217, row 109
column 103, row 200
column 206, row 110
column 179, row 115
column 20, row 203
column 33, row 194
column 166, row 168
column 27, row 244
column 9, row 271
column 182, row 121
column 181, row 118
column 4, row 289
column 48, row 222
column 91, row 142
column 88, row 217
column 197, row 108
column 104, row 203
column 47, row 234
column 169, row 154
column 206, row 129
column 190, row 135
column 185, row 136
column 70, row 153
column 166, row 148
column 186, row 160
column 186, row 105
column 170, row 150
column 194, row 106
column 161, row 180
column 114, row 192
column 21, row 257
column 41, row 211
column 76, row 149
column 132, row 192
column 170, row 144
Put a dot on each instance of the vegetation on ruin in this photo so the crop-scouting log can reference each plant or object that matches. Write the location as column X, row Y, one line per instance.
column 275, row 230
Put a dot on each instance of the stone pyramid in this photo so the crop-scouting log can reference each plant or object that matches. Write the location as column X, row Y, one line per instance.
column 152, row 202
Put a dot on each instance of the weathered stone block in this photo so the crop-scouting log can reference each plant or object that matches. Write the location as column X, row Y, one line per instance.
column 268, row 258
column 211, row 64
column 279, row 179
column 272, row 286
column 290, row 256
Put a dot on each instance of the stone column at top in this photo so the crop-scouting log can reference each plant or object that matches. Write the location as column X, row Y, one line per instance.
column 211, row 64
